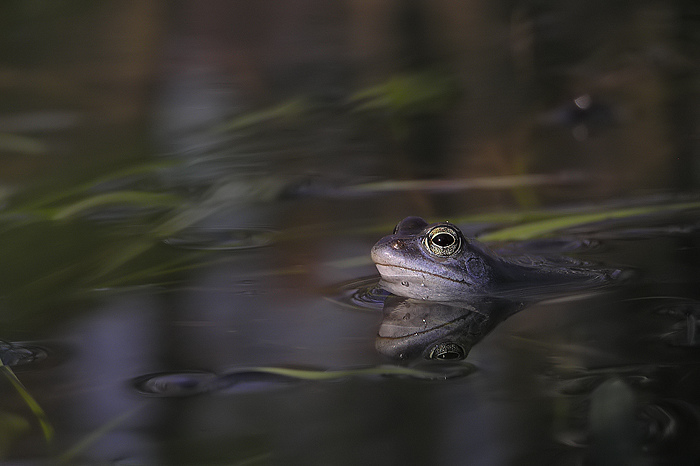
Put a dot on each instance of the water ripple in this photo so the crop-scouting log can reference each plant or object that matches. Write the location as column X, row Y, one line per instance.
column 174, row 384
column 360, row 294
column 18, row 354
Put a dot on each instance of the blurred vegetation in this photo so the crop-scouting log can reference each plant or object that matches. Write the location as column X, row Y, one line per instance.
column 406, row 95
column 86, row 252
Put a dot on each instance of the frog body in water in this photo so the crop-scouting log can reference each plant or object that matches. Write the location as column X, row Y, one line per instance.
column 438, row 263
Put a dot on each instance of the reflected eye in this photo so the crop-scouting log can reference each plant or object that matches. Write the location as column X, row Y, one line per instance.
column 443, row 240
column 447, row 351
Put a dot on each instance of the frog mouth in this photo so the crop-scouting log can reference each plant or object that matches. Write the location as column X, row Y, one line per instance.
column 393, row 273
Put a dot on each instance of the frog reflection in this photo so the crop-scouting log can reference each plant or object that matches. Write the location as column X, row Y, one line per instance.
column 437, row 263
column 413, row 328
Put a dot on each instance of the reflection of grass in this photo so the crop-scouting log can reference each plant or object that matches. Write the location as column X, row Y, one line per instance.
column 97, row 434
column 386, row 370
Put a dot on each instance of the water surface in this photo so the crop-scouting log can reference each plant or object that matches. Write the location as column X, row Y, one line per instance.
column 189, row 195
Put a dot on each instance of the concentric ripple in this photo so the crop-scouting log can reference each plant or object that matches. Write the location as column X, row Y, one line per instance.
column 18, row 354
column 361, row 294
column 175, row 384
column 182, row 384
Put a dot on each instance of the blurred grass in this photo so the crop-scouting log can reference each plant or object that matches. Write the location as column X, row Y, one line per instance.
column 429, row 91
column 52, row 245
column 21, row 144
column 121, row 198
column 289, row 110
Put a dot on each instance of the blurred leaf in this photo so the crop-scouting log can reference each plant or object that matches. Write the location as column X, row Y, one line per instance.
column 44, row 259
column 138, row 198
column 286, row 110
column 453, row 185
column 85, row 188
column 21, row 144
column 427, row 92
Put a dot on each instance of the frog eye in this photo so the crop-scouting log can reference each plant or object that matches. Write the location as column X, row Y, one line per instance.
column 443, row 240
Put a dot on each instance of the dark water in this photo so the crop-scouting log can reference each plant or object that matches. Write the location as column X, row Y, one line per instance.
column 189, row 193
column 178, row 371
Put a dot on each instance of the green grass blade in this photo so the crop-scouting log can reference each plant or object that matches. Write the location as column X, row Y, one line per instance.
column 46, row 426
column 548, row 226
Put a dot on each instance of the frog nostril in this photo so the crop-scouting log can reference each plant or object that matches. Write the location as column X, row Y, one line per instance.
column 398, row 244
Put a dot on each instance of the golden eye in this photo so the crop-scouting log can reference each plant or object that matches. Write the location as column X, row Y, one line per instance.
column 443, row 241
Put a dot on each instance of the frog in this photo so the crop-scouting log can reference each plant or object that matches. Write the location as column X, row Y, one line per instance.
column 437, row 262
